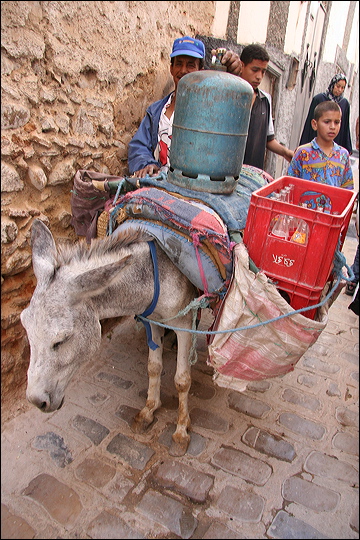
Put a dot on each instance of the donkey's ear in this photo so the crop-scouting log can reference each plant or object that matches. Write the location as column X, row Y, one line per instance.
column 96, row 280
column 43, row 251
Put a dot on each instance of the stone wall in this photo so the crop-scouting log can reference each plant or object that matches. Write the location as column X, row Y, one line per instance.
column 76, row 79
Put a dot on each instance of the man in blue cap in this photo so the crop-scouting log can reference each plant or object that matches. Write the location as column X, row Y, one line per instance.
column 148, row 150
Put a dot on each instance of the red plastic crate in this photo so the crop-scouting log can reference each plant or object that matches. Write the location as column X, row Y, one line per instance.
column 300, row 296
column 300, row 270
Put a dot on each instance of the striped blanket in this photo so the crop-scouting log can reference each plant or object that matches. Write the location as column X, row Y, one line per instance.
column 197, row 230
column 192, row 234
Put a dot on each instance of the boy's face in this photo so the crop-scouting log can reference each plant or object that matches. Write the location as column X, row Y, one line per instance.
column 328, row 125
column 254, row 72
column 182, row 65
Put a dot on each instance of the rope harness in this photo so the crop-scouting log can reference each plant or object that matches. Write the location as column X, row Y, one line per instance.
column 203, row 302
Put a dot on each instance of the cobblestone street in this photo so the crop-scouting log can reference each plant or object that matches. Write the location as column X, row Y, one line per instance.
column 279, row 460
column 192, row 166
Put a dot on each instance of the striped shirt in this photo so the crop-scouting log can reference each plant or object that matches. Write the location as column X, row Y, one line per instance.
column 311, row 163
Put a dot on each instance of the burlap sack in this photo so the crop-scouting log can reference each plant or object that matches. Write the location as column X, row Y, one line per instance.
column 268, row 350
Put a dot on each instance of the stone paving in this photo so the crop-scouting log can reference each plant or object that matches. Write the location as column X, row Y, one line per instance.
column 279, row 460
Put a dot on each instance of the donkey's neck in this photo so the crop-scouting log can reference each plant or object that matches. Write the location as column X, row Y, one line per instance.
column 131, row 293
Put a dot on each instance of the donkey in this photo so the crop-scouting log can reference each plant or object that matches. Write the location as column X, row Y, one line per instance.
column 77, row 286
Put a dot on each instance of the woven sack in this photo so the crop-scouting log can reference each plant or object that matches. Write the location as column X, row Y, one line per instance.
column 87, row 201
column 269, row 350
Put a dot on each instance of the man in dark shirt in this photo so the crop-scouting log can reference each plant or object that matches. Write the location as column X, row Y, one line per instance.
column 261, row 134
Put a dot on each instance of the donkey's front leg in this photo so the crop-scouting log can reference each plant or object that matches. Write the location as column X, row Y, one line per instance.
column 181, row 438
column 155, row 362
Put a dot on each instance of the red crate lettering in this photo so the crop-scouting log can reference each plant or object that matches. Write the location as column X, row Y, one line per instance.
column 280, row 259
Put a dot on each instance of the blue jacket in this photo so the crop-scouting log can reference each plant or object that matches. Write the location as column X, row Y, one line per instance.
column 143, row 144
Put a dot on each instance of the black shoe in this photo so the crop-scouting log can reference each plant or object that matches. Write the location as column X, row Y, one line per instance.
column 350, row 288
column 354, row 306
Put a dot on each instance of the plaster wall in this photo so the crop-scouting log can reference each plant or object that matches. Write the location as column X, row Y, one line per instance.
column 336, row 29
column 76, row 80
column 221, row 18
column 353, row 47
column 253, row 24
column 295, row 28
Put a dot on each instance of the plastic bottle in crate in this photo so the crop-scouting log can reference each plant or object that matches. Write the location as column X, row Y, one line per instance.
column 283, row 225
column 301, row 235
column 291, row 188
column 288, row 198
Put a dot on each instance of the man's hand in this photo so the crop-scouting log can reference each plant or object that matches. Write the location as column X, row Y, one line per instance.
column 232, row 62
column 151, row 170
column 280, row 149
column 289, row 154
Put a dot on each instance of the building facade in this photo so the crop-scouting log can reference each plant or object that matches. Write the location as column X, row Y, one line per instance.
column 308, row 43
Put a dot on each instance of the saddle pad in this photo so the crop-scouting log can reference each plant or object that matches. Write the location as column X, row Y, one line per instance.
column 232, row 208
column 197, row 221
column 181, row 251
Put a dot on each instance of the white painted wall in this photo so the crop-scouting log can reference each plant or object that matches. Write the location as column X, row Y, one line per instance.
column 336, row 30
column 353, row 48
column 220, row 19
column 253, row 22
column 295, row 28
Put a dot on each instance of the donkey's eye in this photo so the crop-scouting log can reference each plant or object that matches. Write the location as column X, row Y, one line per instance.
column 58, row 343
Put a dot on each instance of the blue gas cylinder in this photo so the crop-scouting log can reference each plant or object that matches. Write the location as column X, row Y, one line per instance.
column 210, row 127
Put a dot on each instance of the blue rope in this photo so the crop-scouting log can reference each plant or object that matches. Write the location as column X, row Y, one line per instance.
column 121, row 183
column 115, row 210
column 339, row 263
column 161, row 176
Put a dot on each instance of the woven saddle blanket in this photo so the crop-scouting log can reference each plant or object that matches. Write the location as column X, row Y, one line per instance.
column 231, row 207
column 192, row 234
column 197, row 230
column 89, row 196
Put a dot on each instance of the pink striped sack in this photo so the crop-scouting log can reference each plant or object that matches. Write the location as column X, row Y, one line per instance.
column 268, row 350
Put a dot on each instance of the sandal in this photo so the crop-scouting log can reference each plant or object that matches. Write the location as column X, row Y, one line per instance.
column 350, row 288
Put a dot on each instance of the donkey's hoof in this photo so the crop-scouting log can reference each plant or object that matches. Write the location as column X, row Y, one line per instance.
column 140, row 425
column 179, row 448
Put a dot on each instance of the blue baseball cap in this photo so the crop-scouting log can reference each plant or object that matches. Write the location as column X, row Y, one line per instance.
column 188, row 46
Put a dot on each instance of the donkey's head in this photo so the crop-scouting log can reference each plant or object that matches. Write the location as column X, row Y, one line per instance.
column 62, row 325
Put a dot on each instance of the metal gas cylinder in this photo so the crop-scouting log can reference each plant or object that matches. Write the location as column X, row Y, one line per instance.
column 209, row 133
